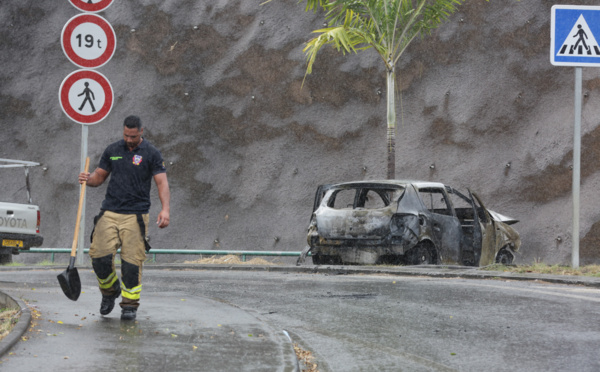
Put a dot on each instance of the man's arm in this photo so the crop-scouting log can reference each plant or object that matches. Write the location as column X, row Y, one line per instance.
column 165, row 199
column 96, row 178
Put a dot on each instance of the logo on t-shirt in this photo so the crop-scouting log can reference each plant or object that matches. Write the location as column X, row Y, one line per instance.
column 137, row 159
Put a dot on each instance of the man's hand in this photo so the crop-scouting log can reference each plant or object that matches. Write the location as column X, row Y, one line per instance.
column 83, row 177
column 163, row 219
column 96, row 178
column 165, row 197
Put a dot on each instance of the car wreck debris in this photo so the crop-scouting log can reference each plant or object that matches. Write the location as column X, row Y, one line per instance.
column 406, row 222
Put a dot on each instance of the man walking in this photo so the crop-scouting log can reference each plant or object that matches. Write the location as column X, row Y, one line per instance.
column 123, row 220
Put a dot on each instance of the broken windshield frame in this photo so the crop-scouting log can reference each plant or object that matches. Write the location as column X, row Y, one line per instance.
column 362, row 196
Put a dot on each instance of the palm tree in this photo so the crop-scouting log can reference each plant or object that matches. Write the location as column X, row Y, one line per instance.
column 388, row 26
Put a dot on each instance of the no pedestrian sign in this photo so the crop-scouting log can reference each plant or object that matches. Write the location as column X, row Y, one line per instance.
column 86, row 96
column 91, row 6
column 575, row 31
column 88, row 40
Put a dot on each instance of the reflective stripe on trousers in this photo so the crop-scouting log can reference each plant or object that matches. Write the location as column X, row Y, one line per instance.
column 108, row 282
column 133, row 293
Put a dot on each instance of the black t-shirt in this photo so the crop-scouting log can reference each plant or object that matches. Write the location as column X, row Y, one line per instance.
column 131, row 173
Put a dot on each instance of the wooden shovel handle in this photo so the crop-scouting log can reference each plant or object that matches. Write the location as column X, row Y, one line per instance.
column 79, row 208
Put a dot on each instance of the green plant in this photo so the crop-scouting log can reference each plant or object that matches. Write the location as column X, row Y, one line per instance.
column 14, row 264
column 45, row 263
column 388, row 27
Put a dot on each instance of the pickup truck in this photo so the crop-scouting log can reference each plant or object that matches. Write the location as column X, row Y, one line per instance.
column 19, row 223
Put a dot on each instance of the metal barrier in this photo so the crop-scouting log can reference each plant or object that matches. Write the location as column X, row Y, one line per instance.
column 154, row 252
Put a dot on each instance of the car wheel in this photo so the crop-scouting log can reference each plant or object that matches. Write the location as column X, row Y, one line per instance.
column 421, row 254
column 504, row 257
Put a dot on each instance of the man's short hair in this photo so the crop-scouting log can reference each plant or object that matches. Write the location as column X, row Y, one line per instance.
column 133, row 121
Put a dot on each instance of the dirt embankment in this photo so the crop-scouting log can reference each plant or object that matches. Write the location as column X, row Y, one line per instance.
column 219, row 88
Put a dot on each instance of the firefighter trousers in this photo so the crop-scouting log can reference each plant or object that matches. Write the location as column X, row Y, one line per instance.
column 111, row 232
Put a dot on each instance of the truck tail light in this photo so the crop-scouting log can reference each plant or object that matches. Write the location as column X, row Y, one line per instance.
column 37, row 227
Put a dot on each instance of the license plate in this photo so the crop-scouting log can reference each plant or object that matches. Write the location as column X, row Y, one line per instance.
column 12, row 243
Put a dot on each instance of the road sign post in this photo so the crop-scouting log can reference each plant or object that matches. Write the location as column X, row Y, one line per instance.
column 576, row 167
column 575, row 30
column 86, row 96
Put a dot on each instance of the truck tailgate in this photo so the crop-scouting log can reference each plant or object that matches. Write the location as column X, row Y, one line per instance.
column 19, row 218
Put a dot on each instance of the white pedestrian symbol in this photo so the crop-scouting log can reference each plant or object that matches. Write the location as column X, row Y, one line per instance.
column 580, row 42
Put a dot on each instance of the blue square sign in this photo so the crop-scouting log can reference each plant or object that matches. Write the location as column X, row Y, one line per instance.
column 574, row 36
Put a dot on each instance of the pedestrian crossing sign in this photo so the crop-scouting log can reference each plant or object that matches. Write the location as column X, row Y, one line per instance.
column 575, row 31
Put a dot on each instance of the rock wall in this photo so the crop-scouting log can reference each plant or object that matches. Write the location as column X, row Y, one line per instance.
column 218, row 85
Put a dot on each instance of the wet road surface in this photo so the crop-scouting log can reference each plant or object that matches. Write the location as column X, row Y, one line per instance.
column 349, row 322
column 174, row 331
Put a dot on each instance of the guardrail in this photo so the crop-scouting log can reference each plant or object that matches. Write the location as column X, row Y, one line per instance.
column 153, row 252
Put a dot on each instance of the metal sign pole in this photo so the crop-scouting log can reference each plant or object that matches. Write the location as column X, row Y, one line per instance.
column 574, row 35
column 84, row 152
column 576, row 167
column 88, row 81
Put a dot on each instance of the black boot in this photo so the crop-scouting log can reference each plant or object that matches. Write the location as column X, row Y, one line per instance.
column 108, row 302
column 128, row 313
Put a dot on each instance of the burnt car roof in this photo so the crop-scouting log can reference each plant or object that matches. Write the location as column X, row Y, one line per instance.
column 402, row 184
column 386, row 183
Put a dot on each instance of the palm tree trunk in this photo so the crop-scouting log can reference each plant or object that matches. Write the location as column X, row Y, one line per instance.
column 391, row 125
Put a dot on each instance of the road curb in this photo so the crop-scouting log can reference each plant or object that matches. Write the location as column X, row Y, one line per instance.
column 433, row 271
column 22, row 325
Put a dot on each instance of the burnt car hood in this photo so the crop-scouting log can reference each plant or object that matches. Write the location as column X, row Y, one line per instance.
column 354, row 223
column 502, row 218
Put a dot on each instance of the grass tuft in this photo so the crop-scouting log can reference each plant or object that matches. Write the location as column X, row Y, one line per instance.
column 541, row 268
column 8, row 319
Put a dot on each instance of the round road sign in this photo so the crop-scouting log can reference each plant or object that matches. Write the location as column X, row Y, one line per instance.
column 86, row 96
column 91, row 6
column 88, row 40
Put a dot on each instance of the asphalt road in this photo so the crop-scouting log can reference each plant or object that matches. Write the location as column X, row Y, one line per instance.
column 351, row 320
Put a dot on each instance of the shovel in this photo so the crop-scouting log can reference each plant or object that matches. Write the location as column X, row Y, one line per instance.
column 69, row 279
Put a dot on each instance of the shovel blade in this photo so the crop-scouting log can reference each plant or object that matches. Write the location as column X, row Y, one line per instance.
column 70, row 283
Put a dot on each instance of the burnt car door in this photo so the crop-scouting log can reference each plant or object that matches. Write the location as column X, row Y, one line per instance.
column 478, row 235
column 444, row 227
column 488, row 232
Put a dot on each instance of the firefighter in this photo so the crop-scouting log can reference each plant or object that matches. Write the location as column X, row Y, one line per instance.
column 123, row 220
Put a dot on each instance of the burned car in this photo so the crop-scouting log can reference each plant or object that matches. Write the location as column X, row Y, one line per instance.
column 407, row 222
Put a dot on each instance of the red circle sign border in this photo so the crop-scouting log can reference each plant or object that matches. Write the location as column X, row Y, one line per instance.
column 63, row 96
column 100, row 22
column 92, row 8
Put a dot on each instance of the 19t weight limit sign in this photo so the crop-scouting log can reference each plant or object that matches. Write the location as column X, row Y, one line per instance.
column 88, row 40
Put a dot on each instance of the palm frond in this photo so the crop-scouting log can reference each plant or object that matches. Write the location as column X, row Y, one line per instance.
column 341, row 38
